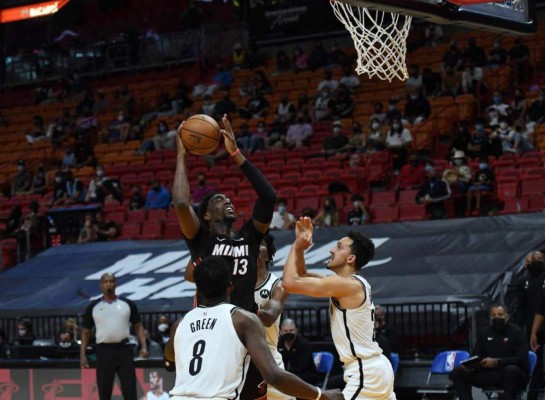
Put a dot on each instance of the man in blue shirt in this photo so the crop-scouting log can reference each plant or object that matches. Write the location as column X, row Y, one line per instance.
column 158, row 196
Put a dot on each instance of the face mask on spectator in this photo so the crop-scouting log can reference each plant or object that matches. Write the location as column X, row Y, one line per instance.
column 261, row 129
column 162, row 129
column 391, row 107
column 22, row 332
column 357, row 203
column 20, row 168
column 483, row 165
column 58, row 179
column 497, row 99
column 289, row 336
column 395, row 126
column 499, row 323
column 120, row 118
column 162, row 327
column 65, row 345
column 458, row 161
column 375, row 125
column 282, row 209
column 414, row 96
column 479, row 127
column 428, row 167
column 503, row 125
column 535, row 268
column 337, row 129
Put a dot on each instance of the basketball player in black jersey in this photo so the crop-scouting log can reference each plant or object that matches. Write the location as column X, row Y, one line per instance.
column 209, row 231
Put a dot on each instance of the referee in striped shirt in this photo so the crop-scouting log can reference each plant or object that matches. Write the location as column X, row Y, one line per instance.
column 111, row 316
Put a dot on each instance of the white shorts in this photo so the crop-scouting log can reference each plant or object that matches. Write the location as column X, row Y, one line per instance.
column 375, row 379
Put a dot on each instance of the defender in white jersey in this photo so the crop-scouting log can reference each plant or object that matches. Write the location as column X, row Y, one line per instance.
column 210, row 347
column 367, row 373
column 270, row 298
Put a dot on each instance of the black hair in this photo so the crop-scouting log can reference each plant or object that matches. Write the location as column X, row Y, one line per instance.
column 362, row 247
column 212, row 276
column 271, row 247
column 497, row 305
column 203, row 208
column 66, row 331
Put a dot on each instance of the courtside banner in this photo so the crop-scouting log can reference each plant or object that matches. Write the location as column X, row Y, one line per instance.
column 415, row 262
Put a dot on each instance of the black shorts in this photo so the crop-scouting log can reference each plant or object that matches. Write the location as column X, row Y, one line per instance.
column 254, row 385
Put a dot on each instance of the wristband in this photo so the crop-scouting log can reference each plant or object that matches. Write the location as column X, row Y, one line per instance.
column 319, row 393
column 234, row 153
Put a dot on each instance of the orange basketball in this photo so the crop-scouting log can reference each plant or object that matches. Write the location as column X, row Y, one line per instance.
column 200, row 134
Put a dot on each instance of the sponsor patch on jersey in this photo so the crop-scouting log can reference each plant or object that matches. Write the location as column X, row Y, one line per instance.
column 264, row 293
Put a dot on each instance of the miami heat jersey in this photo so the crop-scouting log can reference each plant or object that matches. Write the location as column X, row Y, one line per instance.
column 353, row 330
column 211, row 361
column 241, row 253
column 262, row 295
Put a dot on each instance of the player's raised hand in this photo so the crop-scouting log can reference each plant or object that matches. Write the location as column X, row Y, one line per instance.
column 333, row 394
column 179, row 144
column 303, row 233
column 228, row 136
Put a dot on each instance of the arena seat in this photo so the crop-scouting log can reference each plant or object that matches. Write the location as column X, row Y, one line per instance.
column 384, row 214
column 130, row 231
column 412, row 212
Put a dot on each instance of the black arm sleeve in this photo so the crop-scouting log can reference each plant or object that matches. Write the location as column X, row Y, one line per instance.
column 264, row 206
column 520, row 358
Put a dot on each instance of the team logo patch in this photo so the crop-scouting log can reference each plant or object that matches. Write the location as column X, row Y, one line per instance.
column 264, row 293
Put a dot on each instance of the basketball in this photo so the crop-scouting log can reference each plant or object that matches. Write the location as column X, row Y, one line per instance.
column 200, row 134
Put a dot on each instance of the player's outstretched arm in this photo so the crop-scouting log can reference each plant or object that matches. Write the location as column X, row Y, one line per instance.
column 181, row 197
column 274, row 307
column 264, row 206
column 250, row 332
column 168, row 352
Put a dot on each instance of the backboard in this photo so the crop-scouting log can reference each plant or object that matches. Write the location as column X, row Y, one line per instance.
column 511, row 17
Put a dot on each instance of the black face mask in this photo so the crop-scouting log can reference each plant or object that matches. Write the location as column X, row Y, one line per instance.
column 288, row 336
column 414, row 163
column 498, row 324
column 535, row 268
column 157, row 189
column 202, row 182
column 327, row 208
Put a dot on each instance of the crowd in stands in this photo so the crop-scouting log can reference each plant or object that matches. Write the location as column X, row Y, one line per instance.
column 321, row 124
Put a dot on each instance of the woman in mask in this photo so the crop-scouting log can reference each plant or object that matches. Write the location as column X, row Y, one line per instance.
column 162, row 331
column 398, row 141
column 482, row 183
column 328, row 215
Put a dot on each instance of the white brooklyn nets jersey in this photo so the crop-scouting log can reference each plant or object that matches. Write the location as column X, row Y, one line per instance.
column 211, row 361
column 353, row 330
column 262, row 295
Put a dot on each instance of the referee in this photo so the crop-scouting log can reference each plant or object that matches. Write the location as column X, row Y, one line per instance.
column 111, row 315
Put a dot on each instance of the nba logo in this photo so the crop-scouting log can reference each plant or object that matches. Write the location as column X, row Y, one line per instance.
column 451, row 357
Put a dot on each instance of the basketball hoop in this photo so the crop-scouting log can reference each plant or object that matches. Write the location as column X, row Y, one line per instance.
column 380, row 38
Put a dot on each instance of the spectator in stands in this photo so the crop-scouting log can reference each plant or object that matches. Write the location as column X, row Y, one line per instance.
column 342, row 104
column 261, row 83
column 127, row 101
column 308, row 212
column 304, row 107
column 181, row 103
column 119, row 129
column 31, row 235
column 208, row 106
column 431, row 83
column 321, row 110
column 285, row 110
column 414, row 83
column 461, row 182
column 296, row 352
column 256, row 107
column 393, row 113
column 71, row 326
column 462, row 138
column 24, row 336
column 200, row 192
column 68, row 159
column 503, row 349
column 481, row 184
column 505, row 135
column 376, row 140
column 4, row 345
column 379, row 114
column 38, row 131
column 13, row 223
column 101, row 105
column 39, row 181
column 411, row 175
column 68, row 348
column 349, row 79
column 137, row 201
column 497, row 56
column 84, row 151
column 75, row 191
column 335, row 56
column 101, row 186
column 162, row 330
column 450, row 82
column 158, row 196
column 519, row 58
column 417, row 107
column 300, row 59
column 453, row 57
column 282, row 219
column 155, row 351
column 474, row 53
column 87, row 234
column 224, row 106
column 359, row 214
column 283, row 62
column 433, row 34
column 259, row 139
column 522, row 144
column 161, row 141
column 298, row 133
column 536, row 113
column 356, row 141
column 433, row 194
column 59, row 190
column 337, row 142
column 328, row 214
column 472, row 80
column 328, row 82
column 22, row 181
column 276, row 134
column 87, row 122
column 317, row 57
column 497, row 110
column 518, row 107
column 239, row 57
column 478, row 145
column 384, row 335
column 222, row 79
column 104, row 230
column 398, row 142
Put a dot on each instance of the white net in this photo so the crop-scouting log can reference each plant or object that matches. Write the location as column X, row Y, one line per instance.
column 380, row 39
